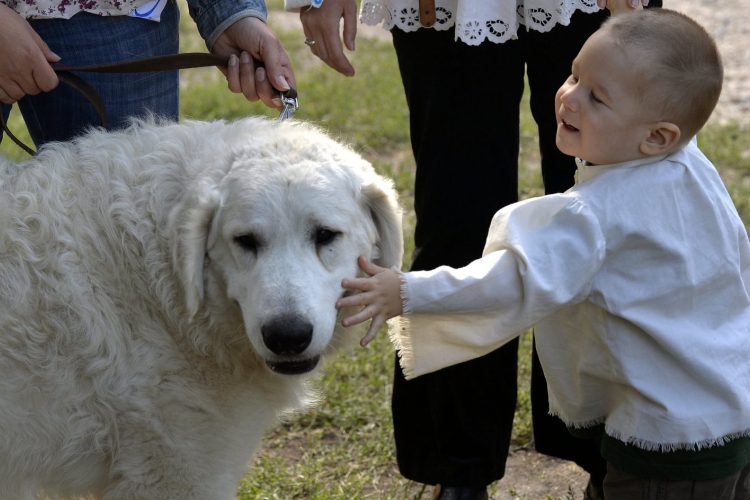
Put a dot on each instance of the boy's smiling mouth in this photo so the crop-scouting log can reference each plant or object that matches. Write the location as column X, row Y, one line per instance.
column 568, row 126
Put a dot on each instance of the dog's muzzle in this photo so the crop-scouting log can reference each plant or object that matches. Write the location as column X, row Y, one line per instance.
column 293, row 367
column 288, row 336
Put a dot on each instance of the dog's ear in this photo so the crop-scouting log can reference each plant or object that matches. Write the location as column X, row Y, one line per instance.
column 191, row 226
column 382, row 199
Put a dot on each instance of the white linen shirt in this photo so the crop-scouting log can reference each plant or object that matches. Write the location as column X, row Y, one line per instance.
column 636, row 283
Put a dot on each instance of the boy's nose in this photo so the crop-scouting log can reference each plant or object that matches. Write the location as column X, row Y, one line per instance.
column 569, row 99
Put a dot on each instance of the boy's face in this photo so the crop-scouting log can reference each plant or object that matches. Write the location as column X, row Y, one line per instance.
column 599, row 116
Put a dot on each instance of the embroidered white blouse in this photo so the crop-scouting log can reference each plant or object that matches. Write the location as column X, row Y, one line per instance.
column 65, row 9
column 476, row 21
column 637, row 284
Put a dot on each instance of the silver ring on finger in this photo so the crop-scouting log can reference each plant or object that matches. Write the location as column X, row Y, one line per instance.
column 309, row 42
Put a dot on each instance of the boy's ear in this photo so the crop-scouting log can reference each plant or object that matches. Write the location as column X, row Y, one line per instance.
column 662, row 138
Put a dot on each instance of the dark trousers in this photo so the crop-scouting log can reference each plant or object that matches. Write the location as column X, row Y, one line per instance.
column 453, row 426
column 620, row 485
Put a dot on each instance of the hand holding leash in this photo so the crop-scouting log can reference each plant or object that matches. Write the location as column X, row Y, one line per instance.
column 288, row 98
column 24, row 59
column 259, row 67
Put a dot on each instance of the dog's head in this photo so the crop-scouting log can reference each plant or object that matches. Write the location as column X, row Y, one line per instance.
column 277, row 231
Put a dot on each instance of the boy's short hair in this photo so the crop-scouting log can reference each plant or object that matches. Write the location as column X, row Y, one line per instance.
column 682, row 73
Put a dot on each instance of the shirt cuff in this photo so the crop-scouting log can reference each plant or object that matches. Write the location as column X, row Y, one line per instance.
column 296, row 5
column 213, row 17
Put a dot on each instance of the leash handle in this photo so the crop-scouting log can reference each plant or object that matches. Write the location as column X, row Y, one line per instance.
column 157, row 63
column 13, row 138
column 81, row 86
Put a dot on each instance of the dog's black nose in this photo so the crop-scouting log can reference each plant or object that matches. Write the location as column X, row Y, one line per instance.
column 287, row 335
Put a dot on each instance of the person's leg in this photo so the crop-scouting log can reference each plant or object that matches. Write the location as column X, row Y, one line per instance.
column 620, row 485
column 88, row 39
column 742, row 489
column 549, row 58
column 453, row 427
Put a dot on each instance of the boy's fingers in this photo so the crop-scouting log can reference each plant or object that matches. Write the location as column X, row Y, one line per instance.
column 358, row 299
column 360, row 317
column 371, row 333
column 369, row 267
column 362, row 284
column 348, row 301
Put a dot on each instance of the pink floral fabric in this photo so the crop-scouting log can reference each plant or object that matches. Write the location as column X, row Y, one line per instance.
column 65, row 9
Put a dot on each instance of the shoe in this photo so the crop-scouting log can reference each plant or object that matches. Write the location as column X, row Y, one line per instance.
column 594, row 491
column 459, row 493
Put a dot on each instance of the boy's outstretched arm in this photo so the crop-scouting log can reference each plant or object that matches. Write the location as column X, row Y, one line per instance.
column 380, row 298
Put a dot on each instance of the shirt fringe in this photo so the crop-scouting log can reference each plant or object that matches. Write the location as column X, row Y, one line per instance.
column 403, row 345
column 405, row 302
column 401, row 342
column 647, row 445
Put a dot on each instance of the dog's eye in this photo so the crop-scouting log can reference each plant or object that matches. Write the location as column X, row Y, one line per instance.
column 325, row 236
column 247, row 242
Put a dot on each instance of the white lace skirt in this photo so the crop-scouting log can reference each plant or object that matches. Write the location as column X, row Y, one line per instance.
column 476, row 20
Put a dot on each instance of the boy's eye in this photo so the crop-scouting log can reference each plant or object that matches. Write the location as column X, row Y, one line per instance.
column 595, row 99
column 573, row 79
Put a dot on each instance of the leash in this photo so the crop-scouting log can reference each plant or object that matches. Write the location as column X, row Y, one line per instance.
column 158, row 63
column 427, row 15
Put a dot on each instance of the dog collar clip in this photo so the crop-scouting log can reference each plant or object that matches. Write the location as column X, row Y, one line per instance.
column 290, row 104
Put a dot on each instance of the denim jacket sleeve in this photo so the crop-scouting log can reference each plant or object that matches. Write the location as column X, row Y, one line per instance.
column 214, row 16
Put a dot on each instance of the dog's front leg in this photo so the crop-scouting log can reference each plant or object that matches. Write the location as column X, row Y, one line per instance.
column 168, row 460
column 162, row 481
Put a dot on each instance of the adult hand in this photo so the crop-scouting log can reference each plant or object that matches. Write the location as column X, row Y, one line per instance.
column 24, row 59
column 246, row 42
column 321, row 25
column 619, row 6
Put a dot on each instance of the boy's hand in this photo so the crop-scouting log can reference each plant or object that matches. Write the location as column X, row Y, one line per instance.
column 619, row 6
column 381, row 298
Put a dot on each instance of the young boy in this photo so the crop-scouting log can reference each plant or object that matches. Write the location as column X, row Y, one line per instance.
column 636, row 280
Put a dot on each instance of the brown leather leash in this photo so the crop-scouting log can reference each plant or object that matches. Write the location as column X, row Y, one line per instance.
column 158, row 63
column 427, row 15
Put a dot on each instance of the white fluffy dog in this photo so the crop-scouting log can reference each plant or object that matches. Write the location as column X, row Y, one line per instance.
column 162, row 292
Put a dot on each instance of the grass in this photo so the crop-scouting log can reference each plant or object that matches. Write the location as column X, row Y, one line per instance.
column 343, row 448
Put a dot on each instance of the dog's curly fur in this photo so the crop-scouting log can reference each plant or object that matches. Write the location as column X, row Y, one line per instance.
column 149, row 282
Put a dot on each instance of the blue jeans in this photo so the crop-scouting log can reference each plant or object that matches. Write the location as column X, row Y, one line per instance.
column 63, row 113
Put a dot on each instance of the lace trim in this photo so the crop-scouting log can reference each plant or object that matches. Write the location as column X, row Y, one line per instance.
column 539, row 15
